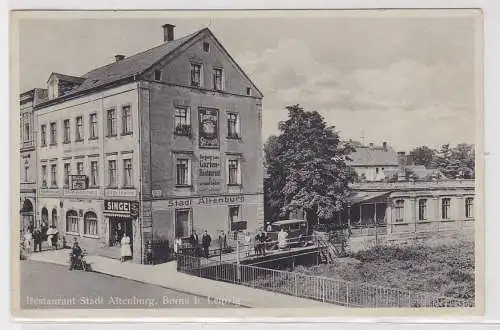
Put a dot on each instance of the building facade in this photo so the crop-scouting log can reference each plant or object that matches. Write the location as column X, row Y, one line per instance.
column 27, row 148
column 157, row 145
column 371, row 161
column 414, row 209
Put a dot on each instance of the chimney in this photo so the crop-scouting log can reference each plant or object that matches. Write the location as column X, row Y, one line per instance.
column 384, row 145
column 168, row 32
column 119, row 57
column 401, row 158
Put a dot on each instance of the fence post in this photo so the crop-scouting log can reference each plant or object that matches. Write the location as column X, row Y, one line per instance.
column 347, row 293
column 323, row 290
column 409, row 298
column 296, row 285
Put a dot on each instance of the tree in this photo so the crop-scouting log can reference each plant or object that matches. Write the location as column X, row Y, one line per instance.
column 456, row 162
column 423, row 156
column 306, row 166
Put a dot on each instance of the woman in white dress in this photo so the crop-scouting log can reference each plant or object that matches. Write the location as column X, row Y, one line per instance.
column 126, row 251
column 50, row 236
column 28, row 237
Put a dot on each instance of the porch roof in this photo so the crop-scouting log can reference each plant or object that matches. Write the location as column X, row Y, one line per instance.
column 367, row 196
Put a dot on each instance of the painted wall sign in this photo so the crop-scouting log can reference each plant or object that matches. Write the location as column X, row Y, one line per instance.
column 209, row 173
column 78, row 182
column 206, row 201
column 208, row 128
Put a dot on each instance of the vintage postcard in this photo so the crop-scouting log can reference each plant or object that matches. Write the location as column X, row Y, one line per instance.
column 247, row 163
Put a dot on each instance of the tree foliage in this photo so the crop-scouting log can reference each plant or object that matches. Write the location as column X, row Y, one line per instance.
column 453, row 162
column 306, row 166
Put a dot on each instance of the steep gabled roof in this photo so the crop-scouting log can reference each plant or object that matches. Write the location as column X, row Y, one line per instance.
column 130, row 66
column 65, row 77
column 367, row 156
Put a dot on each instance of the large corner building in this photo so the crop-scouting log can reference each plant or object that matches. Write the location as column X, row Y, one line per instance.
column 156, row 145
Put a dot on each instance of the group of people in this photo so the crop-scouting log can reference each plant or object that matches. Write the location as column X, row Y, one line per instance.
column 33, row 237
column 194, row 243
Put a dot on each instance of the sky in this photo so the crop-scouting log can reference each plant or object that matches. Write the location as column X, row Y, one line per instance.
column 405, row 79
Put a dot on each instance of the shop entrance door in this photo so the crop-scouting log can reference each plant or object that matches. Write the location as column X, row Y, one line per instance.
column 182, row 218
column 117, row 229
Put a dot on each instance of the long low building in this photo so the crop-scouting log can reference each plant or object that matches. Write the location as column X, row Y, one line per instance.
column 413, row 209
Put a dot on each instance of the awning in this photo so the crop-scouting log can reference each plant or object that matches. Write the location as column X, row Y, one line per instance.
column 367, row 196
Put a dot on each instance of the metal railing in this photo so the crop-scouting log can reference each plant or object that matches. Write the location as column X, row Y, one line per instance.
column 328, row 290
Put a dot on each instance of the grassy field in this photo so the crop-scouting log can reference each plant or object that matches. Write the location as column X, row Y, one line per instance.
column 446, row 269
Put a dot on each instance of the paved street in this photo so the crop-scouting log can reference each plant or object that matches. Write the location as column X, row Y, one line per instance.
column 45, row 285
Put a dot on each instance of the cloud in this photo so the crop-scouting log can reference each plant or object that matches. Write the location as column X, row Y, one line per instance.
column 407, row 102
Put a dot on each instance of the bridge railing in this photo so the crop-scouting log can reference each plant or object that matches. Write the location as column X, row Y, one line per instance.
column 328, row 290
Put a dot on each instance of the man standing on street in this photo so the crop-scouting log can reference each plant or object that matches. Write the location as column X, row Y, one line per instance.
column 206, row 240
column 37, row 238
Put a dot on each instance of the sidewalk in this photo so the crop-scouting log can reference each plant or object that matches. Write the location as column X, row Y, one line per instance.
column 166, row 275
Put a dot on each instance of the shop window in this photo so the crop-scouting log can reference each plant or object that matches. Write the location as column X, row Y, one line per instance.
column 422, row 209
column 90, row 224
column 72, row 222
column 399, row 210
column 469, row 207
column 445, row 208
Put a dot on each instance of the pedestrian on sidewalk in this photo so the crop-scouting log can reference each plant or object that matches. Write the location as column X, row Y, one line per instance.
column 76, row 255
column 28, row 237
column 206, row 240
column 50, row 236
column 126, row 251
column 177, row 245
column 248, row 243
column 37, row 238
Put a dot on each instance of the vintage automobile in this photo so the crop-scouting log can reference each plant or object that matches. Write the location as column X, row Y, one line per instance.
column 297, row 232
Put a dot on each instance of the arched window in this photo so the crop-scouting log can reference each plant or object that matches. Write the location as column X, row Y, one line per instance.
column 469, row 207
column 90, row 224
column 422, row 209
column 54, row 217
column 445, row 208
column 400, row 210
column 45, row 215
column 72, row 221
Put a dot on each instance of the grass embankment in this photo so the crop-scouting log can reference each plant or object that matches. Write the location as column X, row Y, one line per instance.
column 446, row 270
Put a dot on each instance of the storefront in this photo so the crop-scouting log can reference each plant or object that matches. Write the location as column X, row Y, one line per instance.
column 121, row 216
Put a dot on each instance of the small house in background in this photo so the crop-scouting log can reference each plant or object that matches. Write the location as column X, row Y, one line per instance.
column 371, row 161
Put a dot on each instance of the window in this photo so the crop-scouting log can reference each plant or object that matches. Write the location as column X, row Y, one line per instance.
column 26, row 171
column 66, row 132
column 399, row 216
column 183, row 172
column 44, row 176
column 53, row 175
column 26, row 132
column 54, row 217
column 126, row 120
column 111, row 122
column 93, row 126
column 469, row 207
column 53, row 133
column 422, row 209
column 234, row 172
column 112, row 173
column 43, row 135
column 206, row 47
column 445, row 208
column 233, row 125
column 127, row 172
column 72, row 222
column 157, row 75
column 90, row 224
column 249, row 91
column 67, row 173
column 182, row 122
column 94, row 174
column 79, row 128
column 376, row 170
column 218, row 80
column 79, row 168
column 182, row 222
column 196, row 75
